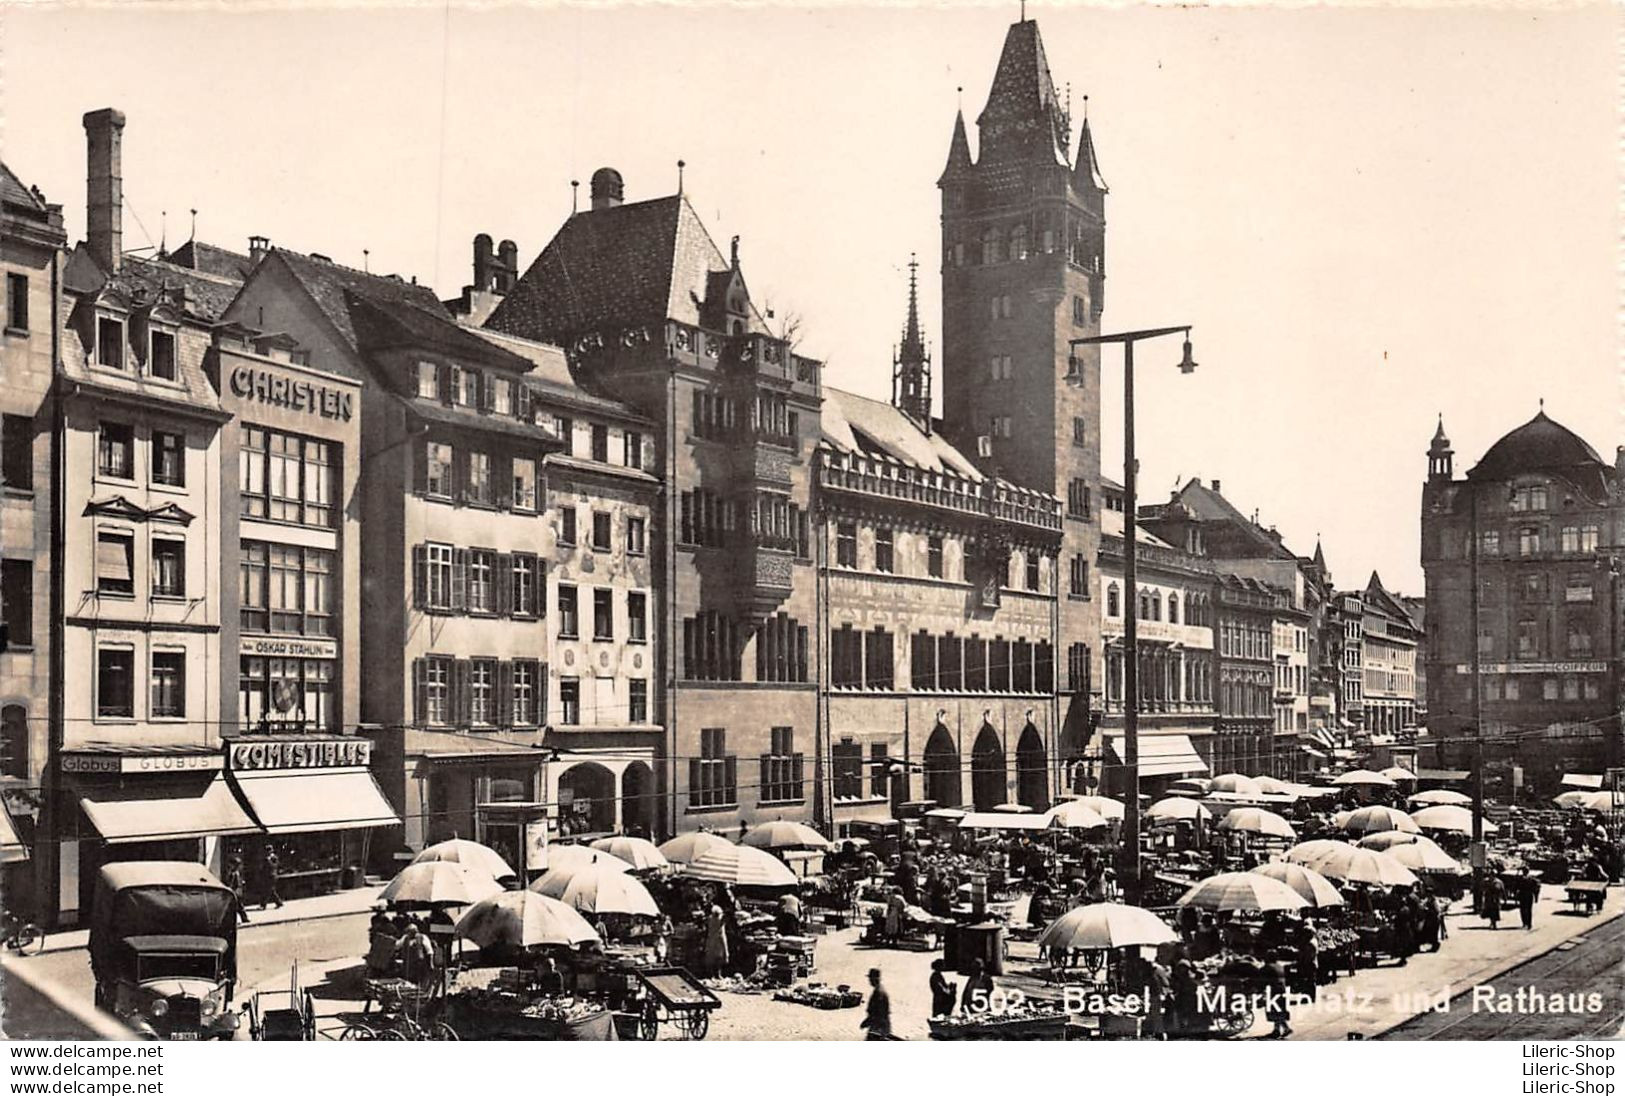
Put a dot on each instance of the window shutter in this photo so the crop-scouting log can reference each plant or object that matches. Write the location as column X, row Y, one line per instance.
column 521, row 401
column 420, row 705
column 459, row 474
column 795, row 777
column 461, row 694
column 730, row 778
column 504, row 584
column 420, row 467
column 502, row 480
column 420, row 575
column 459, row 579
column 694, row 789
column 767, row 789
column 487, row 387
column 447, row 396
column 504, row 697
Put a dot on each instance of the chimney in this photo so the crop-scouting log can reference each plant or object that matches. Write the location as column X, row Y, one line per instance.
column 1619, row 462
column 1216, row 490
column 507, row 265
column 258, row 248
column 607, row 188
column 482, row 262
column 104, row 206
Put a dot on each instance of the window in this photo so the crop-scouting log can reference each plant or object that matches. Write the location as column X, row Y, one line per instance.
column 570, row 701
column 637, row 617
column 846, row 658
column 950, row 663
column 524, row 484
column 1489, row 542
column 1031, row 569
column 637, row 700
column 1077, row 667
column 603, row 614
column 482, row 587
column 526, row 584
column 115, row 563
column 636, row 536
column 883, row 549
column 600, row 531
column 501, row 392
column 479, row 479
column 706, row 519
column 109, row 342
column 1588, row 538
column 877, row 660
column 1578, row 588
column 14, row 741
column 567, row 525
column 115, row 683
column 1077, row 498
column 1018, row 243
column 1078, row 575
column 1525, row 499
column 922, row 658
column 482, row 679
column 998, row 666
column 168, row 684
column 434, row 691
column 1000, row 368
column 1080, row 431
column 161, row 359
column 17, row 302
column 1529, row 638
column 975, row 664
column 1579, row 638
column 17, row 601
column 569, row 622
column 1080, row 310
column 168, row 458
column 1113, row 601
column 465, row 386
column 711, row 647
column 781, row 768
column 713, row 776
column 933, row 555
column 522, row 699
column 1548, row 688
column 633, row 449
column 17, row 457
column 846, row 544
column 1004, row 307
column 990, row 245
column 437, row 481
column 428, row 380
column 600, row 443
column 1528, row 541
column 115, row 450
column 565, row 428
column 1532, row 587
column 846, row 758
column 285, row 477
column 1173, row 614
column 879, row 771
column 435, row 591
column 168, row 568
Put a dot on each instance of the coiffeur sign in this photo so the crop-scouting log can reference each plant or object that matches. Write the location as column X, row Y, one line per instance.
column 296, row 753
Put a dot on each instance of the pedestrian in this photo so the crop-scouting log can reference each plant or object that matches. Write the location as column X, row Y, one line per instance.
column 943, row 992
column 1277, row 1009
column 418, row 959
column 1528, row 891
column 977, row 994
column 1493, row 891
column 1404, row 932
column 237, row 880
column 716, row 941
column 272, row 865
column 894, row 915
column 1182, row 983
column 877, row 1017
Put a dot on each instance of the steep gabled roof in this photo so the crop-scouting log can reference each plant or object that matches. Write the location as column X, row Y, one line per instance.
column 16, row 196
column 857, row 424
column 197, row 255
column 1209, row 505
column 618, row 267
column 327, row 283
column 383, row 323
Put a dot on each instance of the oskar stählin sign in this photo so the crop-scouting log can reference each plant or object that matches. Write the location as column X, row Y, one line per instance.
column 259, row 754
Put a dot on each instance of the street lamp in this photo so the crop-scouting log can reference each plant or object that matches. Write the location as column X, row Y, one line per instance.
column 1129, row 852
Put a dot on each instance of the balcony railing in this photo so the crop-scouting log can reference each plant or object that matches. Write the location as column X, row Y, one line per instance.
column 883, row 478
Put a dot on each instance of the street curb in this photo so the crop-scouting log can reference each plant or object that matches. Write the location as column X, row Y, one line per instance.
column 61, row 949
column 100, row 1024
column 1520, row 964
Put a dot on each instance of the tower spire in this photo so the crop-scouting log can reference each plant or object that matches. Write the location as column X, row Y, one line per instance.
column 1086, row 174
column 911, row 375
column 959, row 160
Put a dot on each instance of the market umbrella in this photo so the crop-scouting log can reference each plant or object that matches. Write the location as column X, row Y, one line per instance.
column 439, row 883
column 1423, row 855
column 1448, row 819
column 1311, row 886
column 470, row 853
column 1190, row 785
column 1441, row 797
column 1363, row 777
column 1260, row 821
column 1236, row 784
column 1271, row 786
column 784, row 835
column 1075, row 814
column 597, row 889
column 574, row 856
column 1012, row 808
column 1603, row 801
column 1399, row 774
column 689, row 846
column 1352, row 864
column 740, row 866
column 1572, row 800
column 1103, row 805
column 1383, row 840
column 523, row 919
column 1177, row 809
column 1376, row 819
column 1307, row 852
column 640, row 852
column 1106, row 925
column 1242, row 890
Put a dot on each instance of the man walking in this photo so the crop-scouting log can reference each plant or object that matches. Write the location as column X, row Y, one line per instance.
column 237, row 880
column 271, row 865
column 1528, row 892
column 877, row 1018
column 1493, row 892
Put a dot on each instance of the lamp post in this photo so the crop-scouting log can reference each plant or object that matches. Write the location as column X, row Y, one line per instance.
column 1129, row 852
column 1478, row 687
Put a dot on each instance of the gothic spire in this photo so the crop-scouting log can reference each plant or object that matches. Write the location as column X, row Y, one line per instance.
column 1024, row 118
column 958, row 151
column 911, row 374
column 1086, row 175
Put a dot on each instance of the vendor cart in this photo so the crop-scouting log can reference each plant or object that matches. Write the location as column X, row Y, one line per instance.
column 674, row 996
column 282, row 1015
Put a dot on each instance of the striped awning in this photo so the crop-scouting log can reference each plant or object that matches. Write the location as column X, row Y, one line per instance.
column 1162, row 754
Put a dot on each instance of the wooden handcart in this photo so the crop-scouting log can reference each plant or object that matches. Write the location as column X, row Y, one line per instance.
column 1587, row 895
column 672, row 995
column 282, row 1015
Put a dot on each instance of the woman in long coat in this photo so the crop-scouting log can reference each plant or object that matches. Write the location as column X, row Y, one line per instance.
column 716, row 940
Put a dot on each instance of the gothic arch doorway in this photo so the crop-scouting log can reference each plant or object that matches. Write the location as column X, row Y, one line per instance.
column 942, row 768
column 987, row 770
column 1032, row 770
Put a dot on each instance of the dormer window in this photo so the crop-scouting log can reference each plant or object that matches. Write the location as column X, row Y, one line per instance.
column 161, row 355
column 501, row 396
column 109, row 342
column 428, row 381
column 465, row 387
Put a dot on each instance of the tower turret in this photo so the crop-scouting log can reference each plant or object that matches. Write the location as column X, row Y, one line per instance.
column 911, row 364
column 1441, row 458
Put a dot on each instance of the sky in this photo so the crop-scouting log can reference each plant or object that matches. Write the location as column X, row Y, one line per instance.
column 1369, row 216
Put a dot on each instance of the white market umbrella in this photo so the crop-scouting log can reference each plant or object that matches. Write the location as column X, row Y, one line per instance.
column 1423, row 855
column 1355, row 778
column 640, row 852
column 576, row 856
column 469, row 853
column 1075, row 814
column 1269, row 785
column 739, row 866
column 1235, row 784
column 1441, row 797
column 1012, row 808
column 1102, row 925
column 597, row 889
column 1190, row 785
column 523, row 919
column 1449, row 820
column 1307, row 852
column 1310, row 885
column 690, row 846
column 1383, row 840
column 1352, row 864
column 1376, row 819
column 1399, row 774
column 439, row 883
column 1178, row 809
column 1572, row 800
column 1242, row 890
column 1103, row 805
column 784, row 835
column 1260, row 821
column 1603, row 801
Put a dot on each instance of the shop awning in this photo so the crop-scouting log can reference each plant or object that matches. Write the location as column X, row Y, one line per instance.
column 997, row 820
column 1583, row 781
column 290, row 801
column 1162, row 754
column 165, row 809
column 1447, row 775
column 11, row 847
